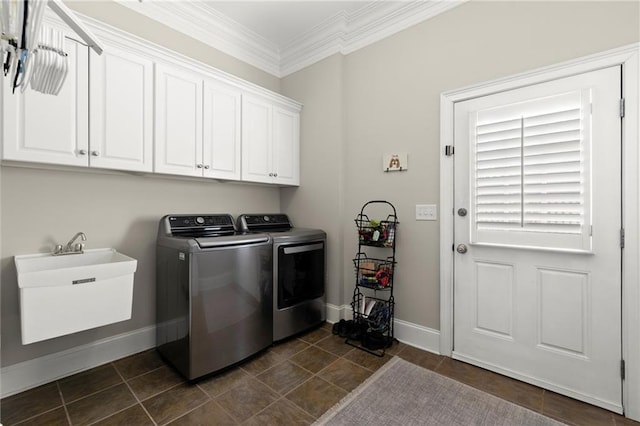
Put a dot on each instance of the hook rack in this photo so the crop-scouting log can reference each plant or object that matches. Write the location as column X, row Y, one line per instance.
column 22, row 35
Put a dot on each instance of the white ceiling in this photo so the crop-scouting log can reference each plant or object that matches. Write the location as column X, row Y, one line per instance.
column 282, row 22
column 282, row 37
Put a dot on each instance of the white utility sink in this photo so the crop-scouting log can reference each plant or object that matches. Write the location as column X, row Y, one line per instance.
column 46, row 270
column 69, row 293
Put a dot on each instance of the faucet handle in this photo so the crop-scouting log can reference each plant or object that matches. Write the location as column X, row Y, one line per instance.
column 58, row 249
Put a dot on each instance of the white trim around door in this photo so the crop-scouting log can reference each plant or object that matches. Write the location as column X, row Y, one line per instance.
column 628, row 57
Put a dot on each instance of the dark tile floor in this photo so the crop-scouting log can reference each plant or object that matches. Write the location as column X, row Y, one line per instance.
column 292, row 383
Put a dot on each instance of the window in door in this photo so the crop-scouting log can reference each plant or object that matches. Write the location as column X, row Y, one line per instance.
column 531, row 173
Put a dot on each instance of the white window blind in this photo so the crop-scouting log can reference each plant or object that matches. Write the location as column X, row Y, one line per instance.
column 531, row 167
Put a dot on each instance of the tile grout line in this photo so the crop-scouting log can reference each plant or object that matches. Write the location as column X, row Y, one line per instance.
column 195, row 408
column 309, row 379
column 91, row 394
column 286, row 400
column 220, row 405
column 283, row 395
column 226, row 391
column 64, row 404
column 134, row 395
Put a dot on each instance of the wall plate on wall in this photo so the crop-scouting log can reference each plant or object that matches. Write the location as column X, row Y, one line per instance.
column 426, row 212
column 395, row 162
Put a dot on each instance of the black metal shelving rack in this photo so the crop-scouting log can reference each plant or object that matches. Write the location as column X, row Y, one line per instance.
column 375, row 263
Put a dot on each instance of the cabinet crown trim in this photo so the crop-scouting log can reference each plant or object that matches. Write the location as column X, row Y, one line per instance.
column 120, row 38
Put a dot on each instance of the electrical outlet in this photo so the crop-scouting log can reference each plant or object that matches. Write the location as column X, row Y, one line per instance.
column 426, row 212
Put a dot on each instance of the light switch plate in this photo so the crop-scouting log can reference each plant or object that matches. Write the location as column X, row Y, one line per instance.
column 426, row 212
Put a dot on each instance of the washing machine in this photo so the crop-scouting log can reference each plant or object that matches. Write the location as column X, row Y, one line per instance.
column 214, row 293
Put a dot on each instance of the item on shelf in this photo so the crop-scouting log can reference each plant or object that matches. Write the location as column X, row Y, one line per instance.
column 374, row 273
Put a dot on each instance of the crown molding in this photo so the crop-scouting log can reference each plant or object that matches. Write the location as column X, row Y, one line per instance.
column 205, row 24
column 346, row 33
column 343, row 33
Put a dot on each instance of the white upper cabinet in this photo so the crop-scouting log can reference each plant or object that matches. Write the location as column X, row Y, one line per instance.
column 222, row 118
column 121, row 110
column 139, row 107
column 270, row 142
column 256, row 140
column 286, row 146
column 46, row 128
column 197, row 125
column 104, row 121
column 178, row 121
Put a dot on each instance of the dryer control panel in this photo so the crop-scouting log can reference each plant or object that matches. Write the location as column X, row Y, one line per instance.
column 258, row 222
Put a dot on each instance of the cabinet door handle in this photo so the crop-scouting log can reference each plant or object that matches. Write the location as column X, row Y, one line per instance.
column 270, row 174
column 275, row 175
column 82, row 152
column 95, row 153
column 206, row 166
column 199, row 166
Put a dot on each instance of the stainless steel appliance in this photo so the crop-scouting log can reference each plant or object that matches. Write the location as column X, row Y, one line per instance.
column 298, row 272
column 214, row 293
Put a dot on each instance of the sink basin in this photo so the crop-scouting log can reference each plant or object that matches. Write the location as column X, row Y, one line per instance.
column 65, row 294
column 46, row 270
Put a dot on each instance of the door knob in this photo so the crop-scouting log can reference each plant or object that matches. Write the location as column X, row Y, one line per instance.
column 462, row 212
column 462, row 249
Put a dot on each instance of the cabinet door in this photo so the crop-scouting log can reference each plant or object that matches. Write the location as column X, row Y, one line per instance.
column 221, row 145
column 46, row 128
column 121, row 113
column 257, row 120
column 178, row 121
column 286, row 146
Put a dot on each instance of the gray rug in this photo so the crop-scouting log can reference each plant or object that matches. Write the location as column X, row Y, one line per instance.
column 402, row 393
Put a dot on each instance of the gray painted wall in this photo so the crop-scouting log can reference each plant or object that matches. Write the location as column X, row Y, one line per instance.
column 319, row 200
column 120, row 210
column 357, row 107
column 391, row 102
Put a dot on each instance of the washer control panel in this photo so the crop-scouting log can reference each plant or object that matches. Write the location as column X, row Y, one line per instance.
column 222, row 221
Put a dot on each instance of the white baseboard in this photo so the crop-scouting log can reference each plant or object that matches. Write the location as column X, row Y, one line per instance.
column 335, row 313
column 416, row 335
column 409, row 333
column 29, row 374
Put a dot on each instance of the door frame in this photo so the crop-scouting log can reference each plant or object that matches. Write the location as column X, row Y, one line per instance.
column 627, row 56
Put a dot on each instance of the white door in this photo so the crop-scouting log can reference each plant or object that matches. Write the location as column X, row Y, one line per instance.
column 221, row 146
column 121, row 111
column 257, row 151
column 537, row 293
column 46, row 128
column 178, row 121
column 286, row 146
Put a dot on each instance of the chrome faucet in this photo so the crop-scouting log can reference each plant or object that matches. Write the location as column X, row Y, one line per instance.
column 71, row 248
